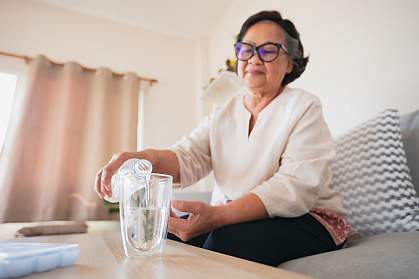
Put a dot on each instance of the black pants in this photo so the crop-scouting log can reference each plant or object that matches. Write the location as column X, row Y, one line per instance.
column 269, row 241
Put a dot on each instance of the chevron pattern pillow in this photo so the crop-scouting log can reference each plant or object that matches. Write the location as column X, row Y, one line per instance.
column 371, row 172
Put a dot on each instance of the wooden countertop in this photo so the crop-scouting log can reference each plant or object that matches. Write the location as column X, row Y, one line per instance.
column 102, row 256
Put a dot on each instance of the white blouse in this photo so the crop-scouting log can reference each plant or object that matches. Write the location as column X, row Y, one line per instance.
column 285, row 160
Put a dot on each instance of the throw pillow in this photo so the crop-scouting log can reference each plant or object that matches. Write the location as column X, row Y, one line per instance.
column 370, row 171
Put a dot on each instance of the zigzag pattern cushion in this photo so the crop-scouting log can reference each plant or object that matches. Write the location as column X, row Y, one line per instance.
column 371, row 172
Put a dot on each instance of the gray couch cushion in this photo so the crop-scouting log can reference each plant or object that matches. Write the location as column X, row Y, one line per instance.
column 390, row 255
column 409, row 126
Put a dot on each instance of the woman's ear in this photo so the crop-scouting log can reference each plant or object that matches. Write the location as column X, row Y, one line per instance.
column 290, row 65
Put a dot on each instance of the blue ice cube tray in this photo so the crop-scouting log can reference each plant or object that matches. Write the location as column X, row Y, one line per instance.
column 19, row 259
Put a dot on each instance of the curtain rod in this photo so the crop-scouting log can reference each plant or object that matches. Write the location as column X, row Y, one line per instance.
column 28, row 59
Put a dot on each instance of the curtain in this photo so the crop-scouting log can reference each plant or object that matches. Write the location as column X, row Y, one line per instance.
column 65, row 125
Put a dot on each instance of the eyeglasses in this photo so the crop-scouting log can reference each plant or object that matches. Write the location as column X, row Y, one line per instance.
column 266, row 52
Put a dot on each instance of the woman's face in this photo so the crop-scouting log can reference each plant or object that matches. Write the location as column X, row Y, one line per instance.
column 264, row 77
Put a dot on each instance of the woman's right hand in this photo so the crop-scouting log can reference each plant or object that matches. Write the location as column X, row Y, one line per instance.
column 163, row 161
column 104, row 175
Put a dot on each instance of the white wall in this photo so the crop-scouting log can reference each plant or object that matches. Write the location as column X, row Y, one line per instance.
column 363, row 54
column 32, row 28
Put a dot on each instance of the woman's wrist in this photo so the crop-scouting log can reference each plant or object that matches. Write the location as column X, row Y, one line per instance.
column 149, row 155
column 222, row 215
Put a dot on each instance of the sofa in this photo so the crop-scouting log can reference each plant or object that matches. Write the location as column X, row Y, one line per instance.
column 384, row 255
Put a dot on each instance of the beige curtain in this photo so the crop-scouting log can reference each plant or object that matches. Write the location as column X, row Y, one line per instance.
column 64, row 126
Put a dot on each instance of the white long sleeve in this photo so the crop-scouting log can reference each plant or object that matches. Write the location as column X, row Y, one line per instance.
column 194, row 155
column 285, row 160
column 304, row 175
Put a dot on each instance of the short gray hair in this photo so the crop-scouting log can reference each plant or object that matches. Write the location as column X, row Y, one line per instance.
column 292, row 41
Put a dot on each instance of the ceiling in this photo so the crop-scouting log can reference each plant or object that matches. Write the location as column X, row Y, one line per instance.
column 180, row 18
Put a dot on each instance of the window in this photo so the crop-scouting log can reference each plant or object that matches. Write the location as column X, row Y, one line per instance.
column 7, row 89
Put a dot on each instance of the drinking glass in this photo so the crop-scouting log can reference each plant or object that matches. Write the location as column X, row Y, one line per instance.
column 144, row 212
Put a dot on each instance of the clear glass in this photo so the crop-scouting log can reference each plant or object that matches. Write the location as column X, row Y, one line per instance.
column 144, row 213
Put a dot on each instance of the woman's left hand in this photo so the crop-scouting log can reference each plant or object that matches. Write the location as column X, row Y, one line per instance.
column 202, row 219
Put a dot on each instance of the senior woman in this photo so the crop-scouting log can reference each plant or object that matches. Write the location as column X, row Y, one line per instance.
column 270, row 150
